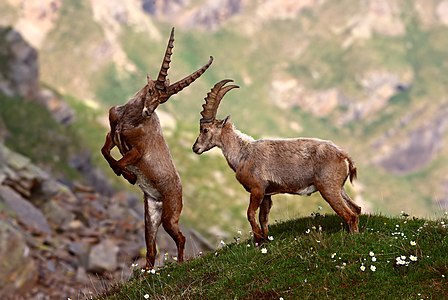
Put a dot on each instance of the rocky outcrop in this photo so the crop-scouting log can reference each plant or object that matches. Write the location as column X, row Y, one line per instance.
column 209, row 16
column 69, row 240
column 377, row 17
column 213, row 14
column 442, row 12
column 20, row 70
column 404, row 154
column 19, row 271
column 379, row 87
column 19, row 75
column 287, row 93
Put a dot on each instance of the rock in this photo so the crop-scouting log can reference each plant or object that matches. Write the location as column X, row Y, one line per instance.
column 442, row 12
column 96, row 178
column 287, row 93
column 60, row 110
column 404, row 154
column 213, row 14
column 22, row 69
column 103, row 257
column 379, row 87
column 57, row 215
column 36, row 19
column 18, row 270
column 21, row 75
column 25, row 212
column 163, row 8
column 80, row 249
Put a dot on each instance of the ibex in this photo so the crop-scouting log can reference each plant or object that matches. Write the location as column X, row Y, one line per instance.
column 272, row 166
column 136, row 131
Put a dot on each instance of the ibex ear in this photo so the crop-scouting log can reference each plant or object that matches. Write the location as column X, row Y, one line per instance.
column 225, row 121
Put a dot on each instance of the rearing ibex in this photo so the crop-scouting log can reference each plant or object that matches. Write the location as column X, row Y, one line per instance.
column 136, row 131
column 271, row 166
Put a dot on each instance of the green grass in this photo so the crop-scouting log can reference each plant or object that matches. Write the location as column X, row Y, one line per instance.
column 32, row 131
column 312, row 258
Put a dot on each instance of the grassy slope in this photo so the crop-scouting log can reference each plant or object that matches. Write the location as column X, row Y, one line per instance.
column 312, row 258
column 31, row 130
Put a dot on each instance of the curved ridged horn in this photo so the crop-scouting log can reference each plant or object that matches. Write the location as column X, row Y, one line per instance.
column 213, row 98
column 183, row 83
column 160, row 83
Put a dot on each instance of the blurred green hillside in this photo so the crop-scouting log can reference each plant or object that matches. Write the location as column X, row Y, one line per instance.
column 369, row 75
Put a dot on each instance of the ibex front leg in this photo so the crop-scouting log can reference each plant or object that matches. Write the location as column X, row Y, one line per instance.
column 105, row 150
column 256, row 196
column 263, row 216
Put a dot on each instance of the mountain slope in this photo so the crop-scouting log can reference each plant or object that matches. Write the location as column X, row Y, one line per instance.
column 312, row 258
column 368, row 75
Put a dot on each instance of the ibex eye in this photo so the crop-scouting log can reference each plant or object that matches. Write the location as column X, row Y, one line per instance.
column 205, row 130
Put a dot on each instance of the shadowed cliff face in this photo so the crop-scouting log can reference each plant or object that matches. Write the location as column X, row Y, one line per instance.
column 417, row 149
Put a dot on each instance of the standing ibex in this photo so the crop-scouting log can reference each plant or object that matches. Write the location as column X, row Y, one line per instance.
column 136, row 131
column 272, row 166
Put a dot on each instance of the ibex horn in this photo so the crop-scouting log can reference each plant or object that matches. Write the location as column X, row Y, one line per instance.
column 160, row 83
column 213, row 98
column 183, row 83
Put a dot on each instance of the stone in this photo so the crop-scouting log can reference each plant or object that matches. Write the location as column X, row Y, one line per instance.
column 25, row 212
column 18, row 270
column 442, row 12
column 57, row 215
column 103, row 257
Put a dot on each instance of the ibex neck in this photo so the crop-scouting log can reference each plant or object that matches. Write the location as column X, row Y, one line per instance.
column 234, row 144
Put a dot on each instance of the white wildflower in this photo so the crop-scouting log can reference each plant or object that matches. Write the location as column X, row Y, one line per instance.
column 363, row 268
column 371, row 253
column 372, row 268
column 271, row 238
column 413, row 243
column 373, row 258
column 413, row 258
column 333, row 255
column 264, row 250
column 146, row 296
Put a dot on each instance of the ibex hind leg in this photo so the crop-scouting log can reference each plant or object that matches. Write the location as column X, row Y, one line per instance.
column 170, row 222
column 353, row 206
column 338, row 203
column 153, row 216
column 263, row 216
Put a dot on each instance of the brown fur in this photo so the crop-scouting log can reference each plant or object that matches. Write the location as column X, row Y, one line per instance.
column 146, row 159
column 272, row 166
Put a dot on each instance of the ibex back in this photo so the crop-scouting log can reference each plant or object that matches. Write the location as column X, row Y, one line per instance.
column 136, row 131
column 271, row 166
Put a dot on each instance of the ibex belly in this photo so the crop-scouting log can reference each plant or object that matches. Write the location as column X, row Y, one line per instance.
column 272, row 190
column 145, row 185
column 306, row 191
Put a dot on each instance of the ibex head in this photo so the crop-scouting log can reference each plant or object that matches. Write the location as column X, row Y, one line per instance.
column 210, row 128
column 160, row 90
